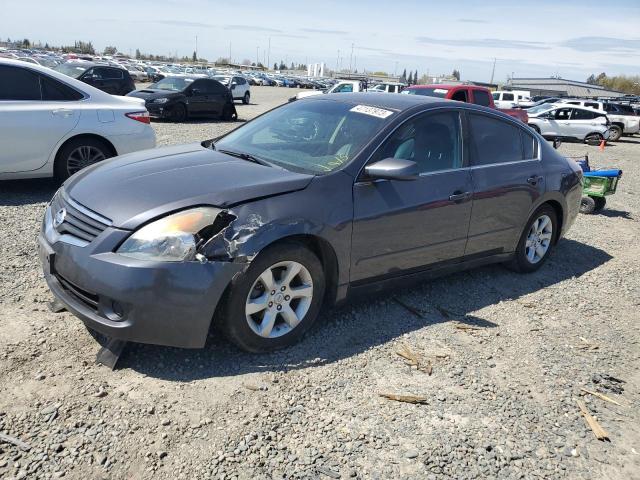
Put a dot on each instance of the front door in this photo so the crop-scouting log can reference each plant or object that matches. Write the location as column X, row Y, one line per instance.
column 507, row 180
column 409, row 225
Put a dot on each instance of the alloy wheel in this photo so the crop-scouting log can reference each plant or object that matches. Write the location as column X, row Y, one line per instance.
column 279, row 299
column 82, row 157
column 539, row 239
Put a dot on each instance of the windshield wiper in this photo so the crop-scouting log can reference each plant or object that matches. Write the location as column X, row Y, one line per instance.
column 248, row 157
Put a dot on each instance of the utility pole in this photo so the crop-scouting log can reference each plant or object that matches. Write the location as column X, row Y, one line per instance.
column 351, row 60
column 395, row 69
column 493, row 71
column 338, row 61
column 269, row 54
column 196, row 48
column 257, row 56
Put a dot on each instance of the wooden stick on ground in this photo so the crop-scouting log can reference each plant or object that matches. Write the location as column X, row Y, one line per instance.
column 404, row 398
column 14, row 441
column 462, row 326
column 414, row 360
column 601, row 396
column 409, row 308
column 598, row 431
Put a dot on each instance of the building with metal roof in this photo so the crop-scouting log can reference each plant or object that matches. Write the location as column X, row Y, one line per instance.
column 560, row 87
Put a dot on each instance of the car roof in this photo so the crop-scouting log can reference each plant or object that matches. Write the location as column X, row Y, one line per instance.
column 571, row 105
column 441, row 85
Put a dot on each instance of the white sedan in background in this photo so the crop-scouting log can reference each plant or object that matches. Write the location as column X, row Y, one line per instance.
column 54, row 125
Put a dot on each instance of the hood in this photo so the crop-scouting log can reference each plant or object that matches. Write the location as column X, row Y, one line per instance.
column 310, row 93
column 150, row 94
column 134, row 188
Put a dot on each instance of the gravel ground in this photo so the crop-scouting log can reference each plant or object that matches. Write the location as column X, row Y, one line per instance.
column 500, row 401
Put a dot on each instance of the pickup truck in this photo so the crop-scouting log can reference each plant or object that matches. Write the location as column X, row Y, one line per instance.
column 512, row 98
column 465, row 93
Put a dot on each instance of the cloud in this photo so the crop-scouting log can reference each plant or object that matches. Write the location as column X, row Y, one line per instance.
column 472, row 20
column 181, row 23
column 601, row 44
column 286, row 35
column 252, row 28
column 486, row 43
column 320, row 30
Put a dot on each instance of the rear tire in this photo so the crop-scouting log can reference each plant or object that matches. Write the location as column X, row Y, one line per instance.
column 615, row 132
column 587, row 205
column 536, row 242
column 249, row 289
column 80, row 153
column 229, row 112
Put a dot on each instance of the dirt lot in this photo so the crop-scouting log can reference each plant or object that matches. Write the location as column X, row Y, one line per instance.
column 500, row 401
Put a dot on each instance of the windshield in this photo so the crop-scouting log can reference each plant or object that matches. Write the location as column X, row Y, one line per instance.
column 427, row 92
column 174, row 84
column 70, row 69
column 539, row 108
column 308, row 136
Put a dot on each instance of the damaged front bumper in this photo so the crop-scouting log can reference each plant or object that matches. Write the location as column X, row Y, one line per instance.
column 163, row 303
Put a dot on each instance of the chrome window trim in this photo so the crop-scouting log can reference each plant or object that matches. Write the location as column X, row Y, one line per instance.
column 460, row 109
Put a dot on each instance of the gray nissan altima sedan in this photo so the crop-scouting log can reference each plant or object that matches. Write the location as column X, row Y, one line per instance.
column 297, row 209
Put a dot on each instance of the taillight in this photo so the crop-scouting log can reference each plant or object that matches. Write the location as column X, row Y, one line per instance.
column 139, row 116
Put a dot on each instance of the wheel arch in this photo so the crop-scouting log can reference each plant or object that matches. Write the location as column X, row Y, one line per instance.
column 557, row 207
column 93, row 136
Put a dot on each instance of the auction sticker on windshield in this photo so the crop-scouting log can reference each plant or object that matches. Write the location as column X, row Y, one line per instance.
column 373, row 111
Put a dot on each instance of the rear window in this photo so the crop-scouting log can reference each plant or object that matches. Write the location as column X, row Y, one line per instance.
column 18, row 84
column 480, row 97
column 494, row 140
column 427, row 92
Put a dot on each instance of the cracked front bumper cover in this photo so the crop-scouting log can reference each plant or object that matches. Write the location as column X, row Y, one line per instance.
column 163, row 303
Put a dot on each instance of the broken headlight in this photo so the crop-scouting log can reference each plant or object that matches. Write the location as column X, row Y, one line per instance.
column 173, row 238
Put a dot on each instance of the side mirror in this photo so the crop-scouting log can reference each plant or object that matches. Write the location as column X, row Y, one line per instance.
column 194, row 91
column 233, row 85
column 556, row 143
column 393, row 169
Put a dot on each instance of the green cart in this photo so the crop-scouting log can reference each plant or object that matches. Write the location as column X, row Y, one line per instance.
column 597, row 185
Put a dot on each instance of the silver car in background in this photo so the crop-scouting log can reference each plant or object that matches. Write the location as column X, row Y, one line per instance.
column 569, row 122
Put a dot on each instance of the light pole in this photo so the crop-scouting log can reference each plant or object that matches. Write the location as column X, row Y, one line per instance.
column 269, row 54
column 351, row 60
column 257, row 56
column 196, row 48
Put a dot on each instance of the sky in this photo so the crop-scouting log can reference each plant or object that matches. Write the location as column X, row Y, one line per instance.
column 540, row 38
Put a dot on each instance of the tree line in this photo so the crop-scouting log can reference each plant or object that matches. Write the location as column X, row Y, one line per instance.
column 621, row 83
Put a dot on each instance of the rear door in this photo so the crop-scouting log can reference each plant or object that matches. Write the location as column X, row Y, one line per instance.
column 507, row 179
column 198, row 98
column 33, row 117
column 401, row 226
column 583, row 122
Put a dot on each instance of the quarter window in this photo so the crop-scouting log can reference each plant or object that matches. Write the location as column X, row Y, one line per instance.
column 480, row 97
column 18, row 84
column 54, row 90
column 529, row 145
column 433, row 141
column 494, row 140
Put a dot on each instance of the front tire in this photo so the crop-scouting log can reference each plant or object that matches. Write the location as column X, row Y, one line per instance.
column 274, row 303
column 594, row 139
column 179, row 113
column 615, row 132
column 537, row 241
column 246, row 98
column 78, row 154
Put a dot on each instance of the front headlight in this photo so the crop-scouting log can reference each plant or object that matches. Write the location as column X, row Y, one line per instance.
column 161, row 100
column 171, row 239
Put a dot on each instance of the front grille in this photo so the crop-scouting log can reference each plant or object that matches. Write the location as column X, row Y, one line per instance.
column 78, row 221
column 87, row 298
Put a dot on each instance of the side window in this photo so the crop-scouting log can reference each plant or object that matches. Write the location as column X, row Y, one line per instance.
column 433, row 141
column 216, row 87
column 480, row 97
column 593, row 105
column 578, row 114
column 507, row 97
column 563, row 113
column 346, row 88
column 18, row 84
column 494, row 140
column 460, row 95
column 529, row 145
column 200, row 86
column 57, row 91
column 108, row 73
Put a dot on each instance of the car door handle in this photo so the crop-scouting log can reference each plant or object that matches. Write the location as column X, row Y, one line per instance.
column 459, row 196
column 534, row 180
column 62, row 112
